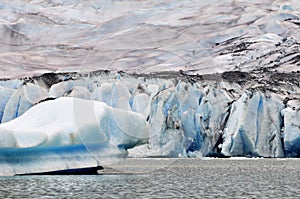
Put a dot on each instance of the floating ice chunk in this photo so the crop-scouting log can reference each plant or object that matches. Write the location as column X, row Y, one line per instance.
column 68, row 133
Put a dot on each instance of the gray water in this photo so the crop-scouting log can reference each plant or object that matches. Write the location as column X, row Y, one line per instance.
column 168, row 178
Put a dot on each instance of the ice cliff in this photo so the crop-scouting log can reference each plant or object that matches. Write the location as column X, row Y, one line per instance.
column 228, row 114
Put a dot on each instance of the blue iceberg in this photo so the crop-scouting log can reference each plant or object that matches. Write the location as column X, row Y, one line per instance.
column 68, row 133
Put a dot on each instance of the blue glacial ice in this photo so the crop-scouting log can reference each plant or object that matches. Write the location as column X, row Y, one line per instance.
column 68, row 133
column 254, row 128
column 221, row 83
column 292, row 130
column 186, row 117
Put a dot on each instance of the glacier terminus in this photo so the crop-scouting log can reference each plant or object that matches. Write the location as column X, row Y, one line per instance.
column 84, row 120
column 84, row 84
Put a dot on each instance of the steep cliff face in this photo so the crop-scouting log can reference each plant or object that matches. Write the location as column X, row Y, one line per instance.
column 228, row 114
column 254, row 127
column 291, row 131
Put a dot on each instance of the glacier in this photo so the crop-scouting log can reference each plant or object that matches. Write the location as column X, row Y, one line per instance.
column 291, row 131
column 221, row 115
column 153, row 79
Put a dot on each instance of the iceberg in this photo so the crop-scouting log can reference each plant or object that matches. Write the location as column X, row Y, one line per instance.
column 68, row 133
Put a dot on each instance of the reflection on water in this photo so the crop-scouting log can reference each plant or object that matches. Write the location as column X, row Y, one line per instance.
column 185, row 178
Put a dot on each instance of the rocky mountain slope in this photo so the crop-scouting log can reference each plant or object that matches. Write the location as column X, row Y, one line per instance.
column 148, row 36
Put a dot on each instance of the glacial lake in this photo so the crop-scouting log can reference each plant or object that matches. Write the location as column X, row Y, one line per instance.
column 168, row 178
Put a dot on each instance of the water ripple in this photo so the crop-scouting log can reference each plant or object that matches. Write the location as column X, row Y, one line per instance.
column 185, row 178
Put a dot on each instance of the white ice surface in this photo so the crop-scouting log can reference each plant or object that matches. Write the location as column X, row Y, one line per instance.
column 68, row 129
column 146, row 36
